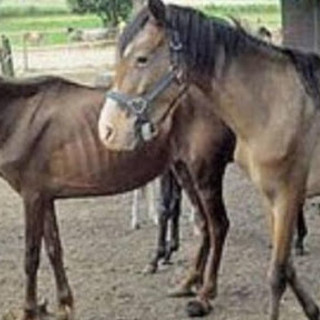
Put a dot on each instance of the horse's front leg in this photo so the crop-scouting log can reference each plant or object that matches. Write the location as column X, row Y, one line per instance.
column 55, row 254
column 34, row 226
column 218, row 228
column 195, row 275
column 168, row 209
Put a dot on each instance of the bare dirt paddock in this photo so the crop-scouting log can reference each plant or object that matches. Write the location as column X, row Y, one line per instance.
column 104, row 260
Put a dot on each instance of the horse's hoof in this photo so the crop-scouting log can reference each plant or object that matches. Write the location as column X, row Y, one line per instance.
column 150, row 269
column 167, row 262
column 198, row 308
column 181, row 293
column 65, row 313
column 41, row 314
column 299, row 251
column 135, row 226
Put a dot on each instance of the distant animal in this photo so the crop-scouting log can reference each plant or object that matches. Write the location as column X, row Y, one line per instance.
column 35, row 38
column 88, row 35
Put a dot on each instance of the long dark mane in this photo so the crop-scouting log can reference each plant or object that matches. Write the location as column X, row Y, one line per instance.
column 205, row 38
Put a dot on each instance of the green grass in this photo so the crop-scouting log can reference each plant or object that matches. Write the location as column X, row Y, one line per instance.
column 19, row 8
column 34, row 3
column 268, row 15
column 54, row 26
column 53, row 18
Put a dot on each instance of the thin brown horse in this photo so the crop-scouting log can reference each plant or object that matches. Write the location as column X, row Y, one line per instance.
column 268, row 96
column 50, row 150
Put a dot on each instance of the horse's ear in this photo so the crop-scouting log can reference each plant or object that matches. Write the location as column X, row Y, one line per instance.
column 158, row 10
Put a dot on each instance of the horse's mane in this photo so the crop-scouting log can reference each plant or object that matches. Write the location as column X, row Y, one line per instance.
column 203, row 38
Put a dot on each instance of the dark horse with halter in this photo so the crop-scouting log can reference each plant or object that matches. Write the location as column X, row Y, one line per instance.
column 268, row 96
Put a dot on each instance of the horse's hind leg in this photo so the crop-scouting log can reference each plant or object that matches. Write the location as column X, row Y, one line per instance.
column 135, row 209
column 285, row 208
column 167, row 196
column 152, row 267
column 34, row 225
column 151, row 201
column 301, row 233
column 55, row 254
column 174, row 240
column 175, row 210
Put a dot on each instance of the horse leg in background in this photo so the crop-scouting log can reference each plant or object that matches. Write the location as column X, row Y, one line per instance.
column 55, row 254
column 193, row 219
column 302, row 231
column 149, row 193
column 168, row 194
column 135, row 208
column 34, row 228
column 174, row 208
column 151, row 201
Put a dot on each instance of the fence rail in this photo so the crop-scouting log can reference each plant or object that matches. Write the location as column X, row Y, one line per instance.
column 6, row 61
column 34, row 52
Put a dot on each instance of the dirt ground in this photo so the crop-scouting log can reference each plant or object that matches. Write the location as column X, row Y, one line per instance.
column 105, row 259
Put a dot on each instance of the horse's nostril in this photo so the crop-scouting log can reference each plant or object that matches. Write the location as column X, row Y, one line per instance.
column 108, row 132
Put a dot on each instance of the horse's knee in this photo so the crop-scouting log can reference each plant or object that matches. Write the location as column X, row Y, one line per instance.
column 221, row 229
column 32, row 260
column 164, row 215
column 224, row 226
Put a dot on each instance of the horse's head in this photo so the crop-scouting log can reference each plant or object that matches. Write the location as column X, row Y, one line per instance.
column 146, row 85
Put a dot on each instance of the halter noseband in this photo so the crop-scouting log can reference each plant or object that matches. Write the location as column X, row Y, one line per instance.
column 140, row 105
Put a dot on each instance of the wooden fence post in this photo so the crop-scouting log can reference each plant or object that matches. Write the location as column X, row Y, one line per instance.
column 6, row 57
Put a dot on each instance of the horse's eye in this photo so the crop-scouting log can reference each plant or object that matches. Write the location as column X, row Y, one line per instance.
column 141, row 61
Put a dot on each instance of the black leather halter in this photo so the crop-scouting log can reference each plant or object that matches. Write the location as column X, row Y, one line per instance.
column 139, row 106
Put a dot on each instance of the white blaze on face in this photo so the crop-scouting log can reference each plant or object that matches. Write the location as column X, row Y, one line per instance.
column 107, row 116
column 116, row 128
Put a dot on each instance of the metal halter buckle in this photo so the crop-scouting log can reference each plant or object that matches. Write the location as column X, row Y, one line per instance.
column 138, row 105
column 176, row 46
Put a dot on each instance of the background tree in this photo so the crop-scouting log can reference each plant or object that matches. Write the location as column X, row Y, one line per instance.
column 109, row 11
